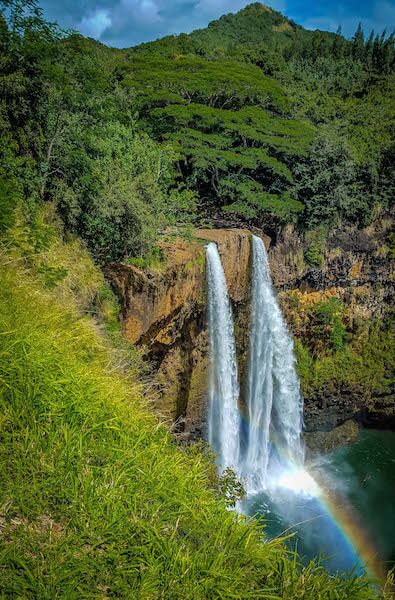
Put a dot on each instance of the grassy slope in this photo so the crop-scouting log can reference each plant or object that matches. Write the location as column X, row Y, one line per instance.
column 97, row 501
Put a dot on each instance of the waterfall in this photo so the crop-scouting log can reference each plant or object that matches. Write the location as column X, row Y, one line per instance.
column 264, row 447
column 271, row 442
column 223, row 412
column 274, row 408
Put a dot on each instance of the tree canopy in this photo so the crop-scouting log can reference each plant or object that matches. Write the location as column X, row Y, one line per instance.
column 253, row 118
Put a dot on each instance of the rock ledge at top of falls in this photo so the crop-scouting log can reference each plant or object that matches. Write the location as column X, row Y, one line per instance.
column 156, row 302
column 163, row 312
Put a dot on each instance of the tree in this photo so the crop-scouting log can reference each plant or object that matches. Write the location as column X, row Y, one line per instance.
column 358, row 44
column 368, row 53
column 338, row 48
column 330, row 186
column 225, row 122
column 27, row 45
column 111, row 188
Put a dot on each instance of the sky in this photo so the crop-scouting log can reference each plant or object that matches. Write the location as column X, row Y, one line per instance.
column 125, row 23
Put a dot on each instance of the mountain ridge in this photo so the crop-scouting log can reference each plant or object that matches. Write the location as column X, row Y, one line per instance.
column 255, row 23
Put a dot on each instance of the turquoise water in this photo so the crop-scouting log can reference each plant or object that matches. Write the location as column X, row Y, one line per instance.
column 363, row 474
column 368, row 470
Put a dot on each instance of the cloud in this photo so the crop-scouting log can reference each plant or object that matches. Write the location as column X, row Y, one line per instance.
column 140, row 10
column 95, row 24
column 149, row 10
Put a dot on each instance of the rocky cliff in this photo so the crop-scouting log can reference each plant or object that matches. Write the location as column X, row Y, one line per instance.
column 163, row 312
column 356, row 270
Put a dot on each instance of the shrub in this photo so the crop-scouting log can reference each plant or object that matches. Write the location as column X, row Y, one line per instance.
column 316, row 242
column 330, row 324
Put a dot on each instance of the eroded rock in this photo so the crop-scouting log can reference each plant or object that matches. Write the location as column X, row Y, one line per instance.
column 322, row 442
column 163, row 311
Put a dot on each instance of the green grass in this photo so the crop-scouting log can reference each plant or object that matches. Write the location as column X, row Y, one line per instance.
column 97, row 501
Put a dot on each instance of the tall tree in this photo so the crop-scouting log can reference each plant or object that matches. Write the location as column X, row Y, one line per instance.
column 358, row 44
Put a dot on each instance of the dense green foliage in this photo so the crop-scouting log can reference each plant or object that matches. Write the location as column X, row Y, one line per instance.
column 70, row 135
column 364, row 367
column 339, row 352
column 337, row 86
column 252, row 119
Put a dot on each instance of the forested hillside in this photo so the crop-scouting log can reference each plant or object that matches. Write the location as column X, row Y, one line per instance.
column 253, row 118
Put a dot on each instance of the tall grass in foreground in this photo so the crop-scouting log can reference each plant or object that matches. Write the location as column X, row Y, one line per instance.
column 97, row 501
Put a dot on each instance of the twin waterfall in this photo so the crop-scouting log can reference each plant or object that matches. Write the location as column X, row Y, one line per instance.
column 260, row 436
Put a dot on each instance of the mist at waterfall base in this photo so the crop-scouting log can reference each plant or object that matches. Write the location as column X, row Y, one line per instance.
column 350, row 520
column 261, row 441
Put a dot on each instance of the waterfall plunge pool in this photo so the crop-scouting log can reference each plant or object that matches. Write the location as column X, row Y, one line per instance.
column 339, row 508
column 349, row 519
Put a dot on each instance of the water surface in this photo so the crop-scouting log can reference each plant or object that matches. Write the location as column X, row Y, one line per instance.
column 362, row 476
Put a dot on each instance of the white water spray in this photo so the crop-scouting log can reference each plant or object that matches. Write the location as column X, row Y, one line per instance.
column 223, row 413
column 269, row 453
column 274, row 404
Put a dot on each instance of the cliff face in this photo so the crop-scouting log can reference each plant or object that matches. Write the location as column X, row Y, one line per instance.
column 356, row 269
column 163, row 312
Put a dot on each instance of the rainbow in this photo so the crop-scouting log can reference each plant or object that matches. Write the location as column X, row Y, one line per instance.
column 339, row 518
column 336, row 510
column 346, row 518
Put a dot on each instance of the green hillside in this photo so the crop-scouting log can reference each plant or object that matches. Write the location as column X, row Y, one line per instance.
column 128, row 142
